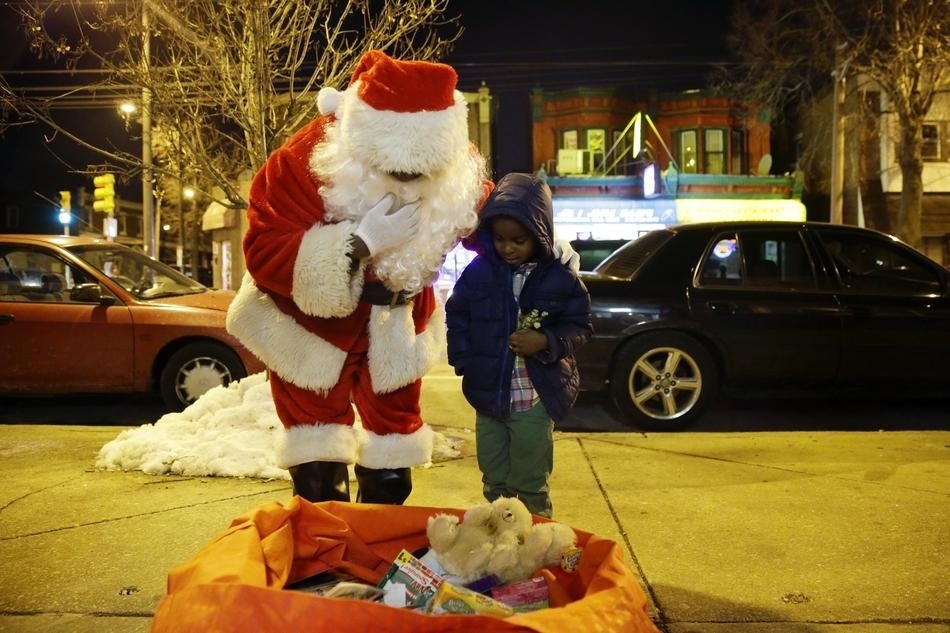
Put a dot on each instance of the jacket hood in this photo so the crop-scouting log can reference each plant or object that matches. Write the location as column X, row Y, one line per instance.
column 526, row 198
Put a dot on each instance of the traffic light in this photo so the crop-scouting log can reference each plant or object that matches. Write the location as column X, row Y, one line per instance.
column 65, row 208
column 104, row 193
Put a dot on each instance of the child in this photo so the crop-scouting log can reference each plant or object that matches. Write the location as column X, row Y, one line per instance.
column 514, row 319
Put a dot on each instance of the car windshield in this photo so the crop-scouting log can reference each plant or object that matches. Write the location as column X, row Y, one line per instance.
column 140, row 275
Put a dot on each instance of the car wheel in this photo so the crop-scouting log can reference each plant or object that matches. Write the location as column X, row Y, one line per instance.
column 196, row 368
column 663, row 381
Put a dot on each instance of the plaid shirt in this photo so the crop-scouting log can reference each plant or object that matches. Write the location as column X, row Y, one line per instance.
column 523, row 395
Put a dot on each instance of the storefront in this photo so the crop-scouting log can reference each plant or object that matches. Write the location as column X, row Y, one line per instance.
column 603, row 218
column 578, row 217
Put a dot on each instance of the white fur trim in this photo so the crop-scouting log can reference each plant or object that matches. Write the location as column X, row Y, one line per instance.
column 397, row 356
column 323, row 283
column 287, row 348
column 318, row 443
column 328, row 100
column 409, row 142
column 396, row 450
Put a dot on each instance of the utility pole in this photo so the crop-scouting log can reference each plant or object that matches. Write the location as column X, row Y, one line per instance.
column 836, row 213
column 148, row 197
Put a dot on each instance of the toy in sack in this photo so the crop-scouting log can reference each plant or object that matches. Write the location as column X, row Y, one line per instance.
column 241, row 581
column 499, row 539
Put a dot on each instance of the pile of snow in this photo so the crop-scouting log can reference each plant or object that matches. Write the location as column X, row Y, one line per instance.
column 228, row 432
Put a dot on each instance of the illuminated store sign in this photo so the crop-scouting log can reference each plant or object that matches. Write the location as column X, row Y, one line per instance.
column 606, row 218
column 601, row 218
column 707, row 210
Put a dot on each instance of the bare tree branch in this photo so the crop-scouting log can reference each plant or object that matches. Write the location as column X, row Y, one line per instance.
column 229, row 80
column 790, row 51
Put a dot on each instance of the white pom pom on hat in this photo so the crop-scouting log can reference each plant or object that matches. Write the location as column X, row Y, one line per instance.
column 401, row 116
column 328, row 100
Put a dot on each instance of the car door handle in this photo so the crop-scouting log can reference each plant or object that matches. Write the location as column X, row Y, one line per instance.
column 7, row 318
column 722, row 307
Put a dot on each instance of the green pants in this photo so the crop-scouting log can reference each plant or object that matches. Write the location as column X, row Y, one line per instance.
column 516, row 457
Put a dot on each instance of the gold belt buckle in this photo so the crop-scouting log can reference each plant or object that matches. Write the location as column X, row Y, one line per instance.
column 398, row 299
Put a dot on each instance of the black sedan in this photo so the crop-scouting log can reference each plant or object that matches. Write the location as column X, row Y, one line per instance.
column 747, row 308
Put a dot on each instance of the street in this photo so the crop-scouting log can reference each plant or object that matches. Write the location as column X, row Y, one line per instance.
column 591, row 413
column 759, row 518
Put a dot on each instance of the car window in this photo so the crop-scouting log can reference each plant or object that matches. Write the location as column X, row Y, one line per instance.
column 756, row 257
column 723, row 263
column 140, row 275
column 593, row 252
column 874, row 264
column 28, row 274
column 627, row 260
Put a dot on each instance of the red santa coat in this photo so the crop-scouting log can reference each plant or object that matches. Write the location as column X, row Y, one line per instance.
column 299, row 309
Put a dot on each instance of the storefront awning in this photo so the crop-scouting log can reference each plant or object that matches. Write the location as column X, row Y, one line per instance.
column 218, row 216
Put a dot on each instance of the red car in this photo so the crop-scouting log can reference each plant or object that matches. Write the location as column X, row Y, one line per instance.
column 85, row 315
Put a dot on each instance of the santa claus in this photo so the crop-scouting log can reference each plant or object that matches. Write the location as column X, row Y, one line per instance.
column 348, row 225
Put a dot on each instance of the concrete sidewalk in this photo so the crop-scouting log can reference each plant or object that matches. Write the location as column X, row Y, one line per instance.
column 808, row 532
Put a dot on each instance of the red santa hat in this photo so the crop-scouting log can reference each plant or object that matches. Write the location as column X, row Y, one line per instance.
column 400, row 116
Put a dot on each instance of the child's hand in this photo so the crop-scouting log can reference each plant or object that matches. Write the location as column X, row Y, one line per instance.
column 525, row 342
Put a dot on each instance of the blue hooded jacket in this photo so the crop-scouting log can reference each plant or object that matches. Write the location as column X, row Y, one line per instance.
column 481, row 311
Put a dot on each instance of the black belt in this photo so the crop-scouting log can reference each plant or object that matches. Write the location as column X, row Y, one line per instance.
column 376, row 293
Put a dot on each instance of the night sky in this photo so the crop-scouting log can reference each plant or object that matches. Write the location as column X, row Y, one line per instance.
column 511, row 45
column 36, row 163
column 517, row 45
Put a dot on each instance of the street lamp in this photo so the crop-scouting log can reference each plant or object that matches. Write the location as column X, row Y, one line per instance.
column 127, row 109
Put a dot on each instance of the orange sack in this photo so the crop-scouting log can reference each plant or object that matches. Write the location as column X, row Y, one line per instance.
column 236, row 582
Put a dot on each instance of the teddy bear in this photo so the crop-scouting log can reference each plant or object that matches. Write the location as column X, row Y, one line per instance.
column 497, row 538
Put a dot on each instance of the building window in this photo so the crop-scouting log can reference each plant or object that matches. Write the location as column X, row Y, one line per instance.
column 723, row 151
column 619, row 160
column 714, row 151
column 930, row 145
column 596, row 139
column 686, row 151
column 737, row 154
column 569, row 139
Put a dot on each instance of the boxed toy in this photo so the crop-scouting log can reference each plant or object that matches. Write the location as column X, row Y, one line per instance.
column 409, row 583
column 452, row 599
column 523, row 595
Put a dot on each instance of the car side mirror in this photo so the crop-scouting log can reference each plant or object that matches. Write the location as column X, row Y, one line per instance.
column 90, row 293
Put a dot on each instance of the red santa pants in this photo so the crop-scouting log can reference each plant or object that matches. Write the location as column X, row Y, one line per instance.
column 382, row 414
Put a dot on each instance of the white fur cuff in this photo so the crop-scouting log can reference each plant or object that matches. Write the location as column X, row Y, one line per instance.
column 397, row 450
column 397, row 356
column 282, row 344
column 318, row 443
column 324, row 284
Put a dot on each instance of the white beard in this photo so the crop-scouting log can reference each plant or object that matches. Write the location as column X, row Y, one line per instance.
column 448, row 201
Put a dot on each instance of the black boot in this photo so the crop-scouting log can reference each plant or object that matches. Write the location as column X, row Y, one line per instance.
column 383, row 485
column 321, row 481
